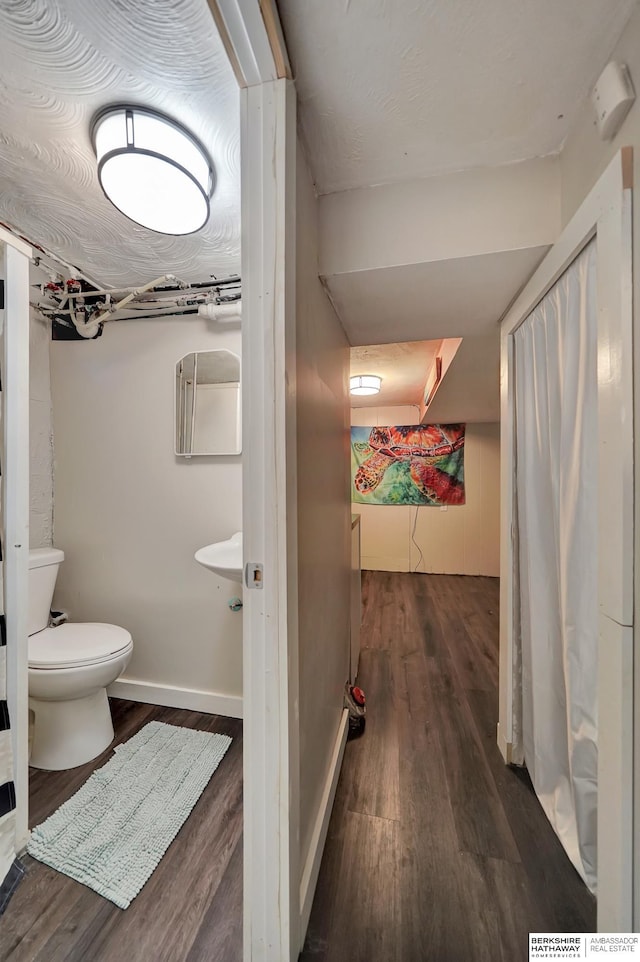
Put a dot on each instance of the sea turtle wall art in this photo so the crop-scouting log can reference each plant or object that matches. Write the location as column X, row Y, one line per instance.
column 408, row 464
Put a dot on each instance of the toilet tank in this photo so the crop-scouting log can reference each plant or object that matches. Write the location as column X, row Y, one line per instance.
column 43, row 571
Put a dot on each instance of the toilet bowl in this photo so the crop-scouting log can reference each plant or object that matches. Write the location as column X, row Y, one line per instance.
column 70, row 668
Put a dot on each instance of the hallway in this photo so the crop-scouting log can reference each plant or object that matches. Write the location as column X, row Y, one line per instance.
column 436, row 851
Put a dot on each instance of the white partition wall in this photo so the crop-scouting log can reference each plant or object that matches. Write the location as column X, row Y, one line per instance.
column 606, row 216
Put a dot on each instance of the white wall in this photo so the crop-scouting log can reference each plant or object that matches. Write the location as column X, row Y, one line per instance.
column 324, row 519
column 129, row 513
column 468, row 213
column 40, row 434
column 463, row 539
column 584, row 155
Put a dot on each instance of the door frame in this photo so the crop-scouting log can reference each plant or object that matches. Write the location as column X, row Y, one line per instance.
column 253, row 39
column 15, row 512
column 606, row 215
column 270, row 613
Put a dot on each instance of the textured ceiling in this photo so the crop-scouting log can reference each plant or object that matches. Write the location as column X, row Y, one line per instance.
column 62, row 60
column 470, row 388
column 402, row 367
column 401, row 89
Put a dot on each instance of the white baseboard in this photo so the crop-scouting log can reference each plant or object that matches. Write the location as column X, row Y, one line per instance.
column 506, row 748
column 211, row 702
column 318, row 838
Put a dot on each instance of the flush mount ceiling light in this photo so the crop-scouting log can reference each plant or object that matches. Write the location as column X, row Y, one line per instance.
column 152, row 169
column 363, row 384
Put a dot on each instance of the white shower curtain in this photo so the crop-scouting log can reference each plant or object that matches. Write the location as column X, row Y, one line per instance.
column 557, row 511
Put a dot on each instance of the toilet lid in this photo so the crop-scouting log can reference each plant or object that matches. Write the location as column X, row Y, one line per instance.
column 74, row 645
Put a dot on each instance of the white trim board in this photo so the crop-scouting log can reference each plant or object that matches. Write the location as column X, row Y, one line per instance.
column 6, row 237
column 605, row 215
column 252, row 36
column 311, row 868
column 211, row 702
column 270, row 537
column 15, row 511
column 506, row 748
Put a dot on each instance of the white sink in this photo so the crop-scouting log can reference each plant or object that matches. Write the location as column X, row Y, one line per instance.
column 223, row 557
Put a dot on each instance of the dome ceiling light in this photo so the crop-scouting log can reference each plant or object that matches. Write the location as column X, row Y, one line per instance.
column 152, row 169
column 363, row 384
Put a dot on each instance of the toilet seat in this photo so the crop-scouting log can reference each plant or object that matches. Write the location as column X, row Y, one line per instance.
column 76, row 645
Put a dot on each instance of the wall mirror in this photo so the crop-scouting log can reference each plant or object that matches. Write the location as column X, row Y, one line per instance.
column 208, row 417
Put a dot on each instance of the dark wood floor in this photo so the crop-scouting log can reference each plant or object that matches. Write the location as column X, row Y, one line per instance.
column 436, row 851
column 190, row 910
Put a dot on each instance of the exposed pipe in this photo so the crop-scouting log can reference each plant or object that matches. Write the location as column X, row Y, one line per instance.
column 134, row 293
column 217, row 299
column 89, row 328
column 222, row 312
column 140, row 314
column 84, row 328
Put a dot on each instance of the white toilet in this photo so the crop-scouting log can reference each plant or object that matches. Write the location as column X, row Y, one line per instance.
column 69, row 669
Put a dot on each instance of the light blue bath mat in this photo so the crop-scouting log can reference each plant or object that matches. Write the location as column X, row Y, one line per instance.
column 113, row 832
